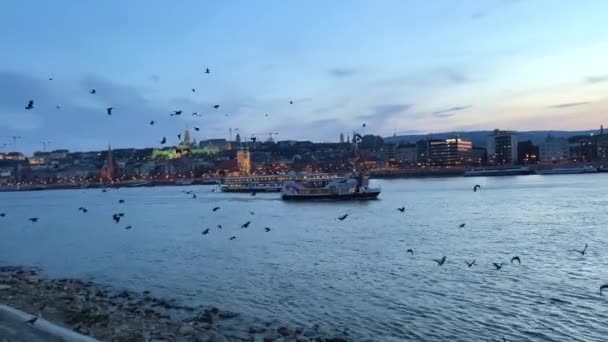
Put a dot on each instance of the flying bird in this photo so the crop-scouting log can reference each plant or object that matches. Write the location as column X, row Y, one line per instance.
column 109, row 109
column 57, row 107
column 216, row 106
column 232, row 238
column 290, row 102
column 193, row 90
column 34, row 219
column 129, row 227
column 121, row 201
column 266, row 229
column 164, row 141
column 363, row 125
column 584, row 250
column 253, row 193
column 30, row 105
column 470, row 263
column 104, row 190
column 266, row 115
column 32, row 320
column 151, row 122
column 196, row 114
column 251, row 212
column 411, row 251
column 176, row 112
column 197, row 129
column 516, row 258
column 93, row 91
column 402, row 209
column 343, row 217
column 83, row 209
column 207, row 71
column 50, row 78
column 219, row 226
column 216, row 208
column 441, row 261
column 205, row 232
column 476, row 187
column 116, row 218
column 462, row 225
column 2, row 214
column 497, row 265
column 603, row 287
column 246, row 224
column 193, row 196
column 179, row 136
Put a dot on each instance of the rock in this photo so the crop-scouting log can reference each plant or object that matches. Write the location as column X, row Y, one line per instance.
column 4, row 287
column 186, row 329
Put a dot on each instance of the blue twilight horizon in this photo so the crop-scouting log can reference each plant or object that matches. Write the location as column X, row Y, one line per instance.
column 398, row 66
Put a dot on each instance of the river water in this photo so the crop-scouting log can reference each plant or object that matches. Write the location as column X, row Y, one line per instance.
column 352, row 275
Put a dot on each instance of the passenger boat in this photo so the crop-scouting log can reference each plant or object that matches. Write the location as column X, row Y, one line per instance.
column 510, row 171
column 335, row 188
column 264, row 183
column 567, row 170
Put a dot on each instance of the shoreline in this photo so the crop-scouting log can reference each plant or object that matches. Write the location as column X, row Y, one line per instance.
column 111, row 315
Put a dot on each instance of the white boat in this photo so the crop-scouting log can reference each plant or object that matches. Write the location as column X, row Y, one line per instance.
column 567, row 170
column 334, row 188
column 264, row 183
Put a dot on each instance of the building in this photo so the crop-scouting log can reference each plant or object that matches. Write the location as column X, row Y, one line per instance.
column 243, row 159
column 554, row 150
column 109, row 170
column 407, row 154
column 527, row 152
column 502, row 147
column 14, row 156
column 422, row 152
column 341, row 138
column 449, row 152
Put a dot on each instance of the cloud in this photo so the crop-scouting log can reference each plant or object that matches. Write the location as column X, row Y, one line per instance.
column 488, row 10
column 450, row 111
column 597, row 79
column 570, row 104
column 385, row 112
column 440, row 76
column 342, row 72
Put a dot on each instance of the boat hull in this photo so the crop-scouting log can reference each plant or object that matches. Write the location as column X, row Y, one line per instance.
column 250, row 190
column 370, row 195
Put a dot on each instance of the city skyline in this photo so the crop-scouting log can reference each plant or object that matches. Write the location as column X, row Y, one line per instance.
column 404, row 67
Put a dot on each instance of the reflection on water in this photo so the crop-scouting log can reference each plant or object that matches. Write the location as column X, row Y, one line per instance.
column 354, row 274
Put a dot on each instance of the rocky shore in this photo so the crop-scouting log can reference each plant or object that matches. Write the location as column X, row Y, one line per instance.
column 128, row 316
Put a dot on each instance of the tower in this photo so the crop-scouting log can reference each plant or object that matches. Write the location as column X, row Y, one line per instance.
column 341, row 138
column 243, row 159
column 108, row 171
column 186, row 141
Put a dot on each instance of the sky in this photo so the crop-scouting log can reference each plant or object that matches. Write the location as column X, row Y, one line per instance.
column 399, row 66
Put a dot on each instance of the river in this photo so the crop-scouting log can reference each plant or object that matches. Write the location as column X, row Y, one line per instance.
column 355, row 274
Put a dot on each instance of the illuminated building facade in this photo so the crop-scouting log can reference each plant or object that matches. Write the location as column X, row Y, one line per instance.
column 449, row 152
column 243, row 159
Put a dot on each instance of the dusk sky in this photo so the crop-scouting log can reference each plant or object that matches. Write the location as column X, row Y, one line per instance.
column 398, row 66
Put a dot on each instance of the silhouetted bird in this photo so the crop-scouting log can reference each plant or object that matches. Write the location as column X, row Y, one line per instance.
column 246, row 224
column 50, row 78
column 233, row 238
column 193, row 90
column 266, row 229
column 441, row 261
column 462, row 225
column 476, row 187
column 206, row 231
column 121, row 201
column 212, row 190
column 116, row 218
column 343, row 217
column 34, row 219
column 57, row 107
column 164, row 141
column 179, row 136
column 129, row 227
column 216, row 208
column 196, row 114
column 216, row 106
column 497, row 265
column 93, row 91
column 470, row 263
column 152, row 122
column 602, row 288
column 121, row 214
column 30, row 105
column 32, row 320
column 584, row 250
column 207, row 71
column 109, row 109
column 2, row 214
column 266, row 115
column 193, row 196
column 188, row 192
column 251, row 212
column 176, row 112
column 197, row 129
column 402, row 209
column 253, row 193
column 104, row 190
column 363, row 125
column 219, row 226
column 290, row 102
column 411, row 251
column 516, row 258
column 83, row 209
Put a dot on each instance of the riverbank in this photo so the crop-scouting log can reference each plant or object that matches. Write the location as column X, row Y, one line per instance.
column 115, row 185
column 109, row 315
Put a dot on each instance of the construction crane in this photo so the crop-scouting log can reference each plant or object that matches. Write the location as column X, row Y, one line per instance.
column 14, row 138
column 45, row 144
column 270, row 136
